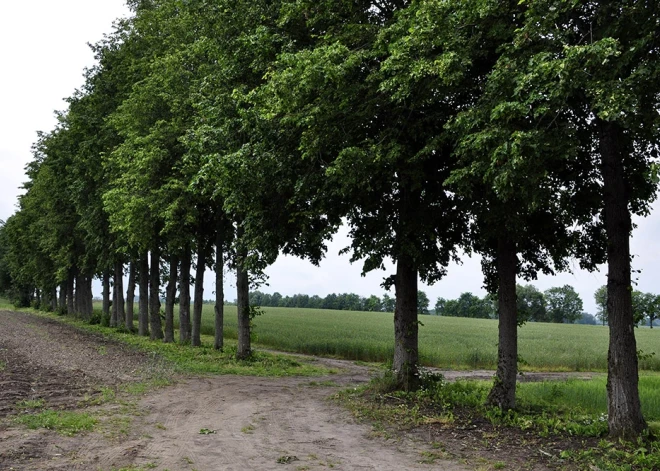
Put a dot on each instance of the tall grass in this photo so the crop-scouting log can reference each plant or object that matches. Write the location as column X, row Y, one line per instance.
column 446, row 342
column 590, row 397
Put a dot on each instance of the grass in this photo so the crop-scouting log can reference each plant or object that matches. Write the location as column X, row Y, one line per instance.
column 447, row 342
column 64, row 422
column 588, row 396
column 204, row 359
column 555, row 414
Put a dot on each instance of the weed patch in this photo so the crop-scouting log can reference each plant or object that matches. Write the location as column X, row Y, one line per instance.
column 547, row 419
column 63, row 422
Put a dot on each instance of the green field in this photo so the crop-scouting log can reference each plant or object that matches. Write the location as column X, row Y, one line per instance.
column 447, row 342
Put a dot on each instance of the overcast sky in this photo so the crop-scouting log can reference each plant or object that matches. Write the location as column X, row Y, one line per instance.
column 43, row 52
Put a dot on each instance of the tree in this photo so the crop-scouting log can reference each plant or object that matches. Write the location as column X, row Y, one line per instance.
column 531, row 303
column 600, row 296
column 563, row 304
column 388, row 303
column 373, row 304
column 603, row 93
column 370, row 154
column 422, row 302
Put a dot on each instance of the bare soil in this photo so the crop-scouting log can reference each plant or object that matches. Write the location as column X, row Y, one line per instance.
column 247, row 423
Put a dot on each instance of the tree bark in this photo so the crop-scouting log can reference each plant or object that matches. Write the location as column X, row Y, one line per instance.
column 503, row 393
column 196, row 337
column 53, row 299
column 218, row 343
column 406, row 349
column 625, row 417
column 184, row 297
column 113, row 307
column 243, row 350
column 78, row 306
column 119, row 301
column 156, row 325
column 62, row 301
column 143, row 307
column 170, row 298
column 89, row 304
column 130, row 298
column 106, row 294
column 70, row 301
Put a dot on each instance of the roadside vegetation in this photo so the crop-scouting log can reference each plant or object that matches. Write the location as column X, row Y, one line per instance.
column 558, row 424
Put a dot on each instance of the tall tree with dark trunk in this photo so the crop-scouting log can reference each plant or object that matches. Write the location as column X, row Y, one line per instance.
column 155, row 324
column 143, row 290
column 130, row 297
column 218, row 342
column 196, row 339
column 184, row 296
column 623, row 407
column 170, row 298
column 503, row 394
column 244, row 348
column 119, row 295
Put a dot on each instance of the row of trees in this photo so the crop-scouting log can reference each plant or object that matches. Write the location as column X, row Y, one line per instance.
column 217, row 132
column 341, row 302
column 646, row 306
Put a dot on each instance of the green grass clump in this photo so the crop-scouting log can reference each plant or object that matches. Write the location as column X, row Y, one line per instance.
column 63, row 422
column 589, row 397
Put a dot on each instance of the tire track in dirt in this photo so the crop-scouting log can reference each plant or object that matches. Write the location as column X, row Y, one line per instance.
column 265, row 424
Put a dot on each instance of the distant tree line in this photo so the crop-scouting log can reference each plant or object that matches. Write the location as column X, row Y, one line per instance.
column 646, row 306
column 341, row 302
column 559, row 304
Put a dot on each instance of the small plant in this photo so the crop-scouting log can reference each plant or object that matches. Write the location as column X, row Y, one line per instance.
column 206, row 431
column 160, row 426
column 30, row 404
column 64, row 422
column 286, row 459
column 248, row 429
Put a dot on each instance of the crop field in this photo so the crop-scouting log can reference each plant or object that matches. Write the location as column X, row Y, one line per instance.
column 447, row 342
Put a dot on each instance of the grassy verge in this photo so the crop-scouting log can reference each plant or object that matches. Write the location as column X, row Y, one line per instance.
column 204, row 359
column 566, row 418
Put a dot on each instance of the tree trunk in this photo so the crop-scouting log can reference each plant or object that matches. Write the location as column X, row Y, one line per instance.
column 62, row 302
column 154, row 296
column 130, row 298
column 243, row 350
column 218, row 343
column 184, row 297
column 113, row 307
column 89, row 305
column 53, row 299
column 406, row 350
column 78, row 306
column 143, row 307
column 70, row 301
column 503, row 393
column 623, row 406
column 170, row 297
column 196, row 337
column 106, row 294
column 119, row 283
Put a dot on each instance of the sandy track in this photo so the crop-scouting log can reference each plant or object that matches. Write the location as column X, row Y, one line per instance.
column 259, row 423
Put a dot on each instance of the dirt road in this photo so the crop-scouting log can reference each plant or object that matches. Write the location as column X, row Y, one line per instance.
column 250, row 423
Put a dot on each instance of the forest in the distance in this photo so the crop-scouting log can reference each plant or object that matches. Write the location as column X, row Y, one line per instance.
column 217, row 133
